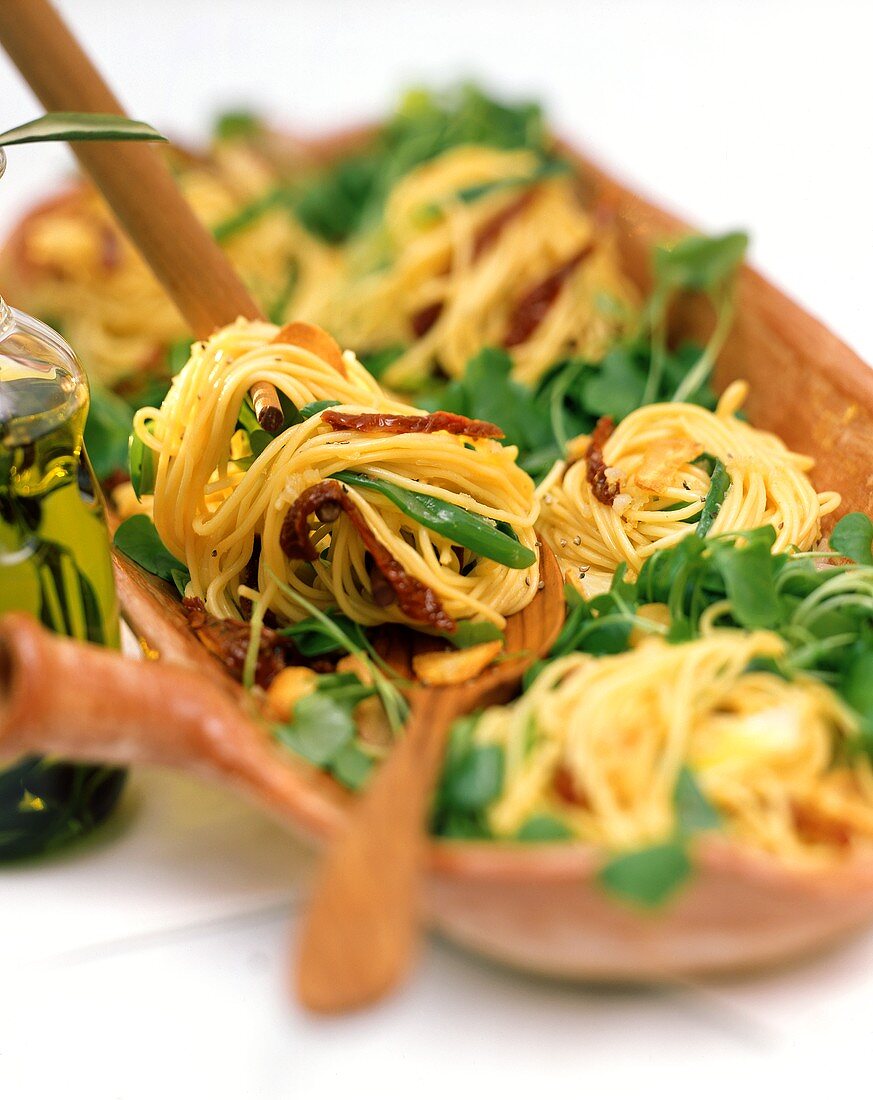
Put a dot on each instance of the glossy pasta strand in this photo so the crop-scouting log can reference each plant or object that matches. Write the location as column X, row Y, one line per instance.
column 211, row 500
column 654, row 456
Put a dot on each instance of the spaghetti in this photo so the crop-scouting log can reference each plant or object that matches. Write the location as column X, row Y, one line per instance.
column 600, row 744
column 668, row 470
column 436, row 506
column 482, row 247
column 478, row 246
column 69, row 262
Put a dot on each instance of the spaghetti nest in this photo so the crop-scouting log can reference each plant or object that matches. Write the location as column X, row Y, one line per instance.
column 602, row 743
column 477, row 247
column 68, row 261
column 413, row 512
column 482, row 247
column 668, row 470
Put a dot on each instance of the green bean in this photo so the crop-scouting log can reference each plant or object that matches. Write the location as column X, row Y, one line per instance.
column 719, row 483
column 463, row 528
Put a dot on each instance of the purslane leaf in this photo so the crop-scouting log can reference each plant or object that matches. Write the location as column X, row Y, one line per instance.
column 648, row 877
column 700, row 263
column 694, row 812
column 852, row 538
column 543, row 828
column 320, row 729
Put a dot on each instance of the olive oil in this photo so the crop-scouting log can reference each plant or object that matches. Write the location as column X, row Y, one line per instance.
column 54, row 563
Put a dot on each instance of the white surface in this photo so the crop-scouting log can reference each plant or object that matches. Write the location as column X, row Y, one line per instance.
column 152, row 964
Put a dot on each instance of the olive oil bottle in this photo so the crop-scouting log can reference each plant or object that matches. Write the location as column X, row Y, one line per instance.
column 54, row 563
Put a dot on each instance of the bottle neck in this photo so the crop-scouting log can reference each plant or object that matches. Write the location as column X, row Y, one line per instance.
column 7, row 321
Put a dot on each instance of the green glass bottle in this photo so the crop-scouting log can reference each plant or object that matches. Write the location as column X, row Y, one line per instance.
column 54, row 562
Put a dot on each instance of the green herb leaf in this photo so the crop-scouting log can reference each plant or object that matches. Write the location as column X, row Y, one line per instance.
column 616, row 388
column 487, row 390
column 856, row 686
column 749, row 577
column 177, row 356
column 353, row 640
column 247, row 215
column 852, row 537
column 377, row 362
column 80, row 126
column 548, row 169
column 142, row 467
column 469, row 634
column 542, row 828
column 237, row 123
column 700, row 263
column 180, row 578
column 352, row 766
column 694, row 812
column 321, row 728
column 259, row 441
column 315, row 638
column 474, row 780
column 316, row 407
column 350, row 194
column 648, row 877
column 107, row 432
column 461, row 527
column 139, row 540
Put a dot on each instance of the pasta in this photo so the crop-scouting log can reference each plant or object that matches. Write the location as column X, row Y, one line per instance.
column 69, row 262
column 732, row 665
column 478, row 248
column 660, row 491
column 601, row 745
column 223, row 510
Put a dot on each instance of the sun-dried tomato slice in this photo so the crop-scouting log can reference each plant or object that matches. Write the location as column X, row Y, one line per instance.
column 401, row 425
column 416, row 600
column 423, row 321
column 532, row 307
column 228, row 640
column 490, row 231
column 596, row 466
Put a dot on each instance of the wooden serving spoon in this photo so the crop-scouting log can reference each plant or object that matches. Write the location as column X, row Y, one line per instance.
column 83, row 702
column 360, row 932
column 141, row 191
column 136, row 182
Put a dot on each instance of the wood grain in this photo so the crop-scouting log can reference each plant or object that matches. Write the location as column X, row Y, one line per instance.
column 83, row 702
column 361, row 929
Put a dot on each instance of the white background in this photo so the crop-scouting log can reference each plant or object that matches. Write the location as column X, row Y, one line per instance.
column 154, row 963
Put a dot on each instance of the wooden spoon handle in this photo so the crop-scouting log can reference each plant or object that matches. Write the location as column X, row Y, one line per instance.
column 134, row 178
column 63, row 698
column 360, row 931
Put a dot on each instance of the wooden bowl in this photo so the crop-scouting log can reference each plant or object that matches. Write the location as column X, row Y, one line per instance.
column 539, row 907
